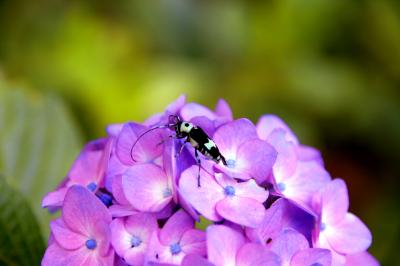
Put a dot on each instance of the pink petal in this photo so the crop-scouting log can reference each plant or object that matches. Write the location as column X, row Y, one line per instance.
column 117, row 210
column 222, row 244
column 101, row 232
column 194, row 242
column 286, row 160
column 282, row 214
column 66, row 238
column 222, row 109
column 81, row 209
column 114, row 129
column 203, row 198
column 55, row 255
column 146, row 187
column 55, row 198
column 267, row 123
column 191, row 110
column 311, row 256
column 142, row 225
column 195, row 260
column 362, row 258
column 306, row 153
column 136, row 255
column 244, row 211
column 118, row 191
column 287, row 244
column 231, row 135
column 335, row 202
column 349, row 236
column 120, row 237
column 308, row 179
column 147, row 149
column 175, row 227
column 250, row 189
column 252, row 254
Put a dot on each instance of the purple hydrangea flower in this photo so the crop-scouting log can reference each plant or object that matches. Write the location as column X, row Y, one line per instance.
column 82, row 235
column 132, row 198
column 223, row 197
column 337, row 229
column 177, row 239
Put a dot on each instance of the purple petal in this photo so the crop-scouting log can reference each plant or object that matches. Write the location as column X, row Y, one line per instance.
column 267, row 123
column 147, row 149
column 335, row 202
column 55, row 198
column 244, row 211
column 120, row 237
column 222, row 244
column 81, row 209
column 118, row 190
column 349, row 236
column 146, row 187
column 102, row 234
column 306, row 153
column 250, row 189
column 362, row 258
column 231, row 135
column 176, row 105
column 312, row 256
column 66, row 238
column 114, row 129
column 117, row 210
column 286, row 160
column 222, row 109
column 191, row 110
column 91, row 163
column 142, row 225
column 308, row 179
column 175, row 227
column 280, row 215
column 287, row 244
column 195, row 260
column 251, row 254
column 55, row 255
column 203, row 198
column 194, row 242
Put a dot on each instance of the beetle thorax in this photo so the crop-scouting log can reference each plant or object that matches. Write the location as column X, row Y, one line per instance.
column 186, row 127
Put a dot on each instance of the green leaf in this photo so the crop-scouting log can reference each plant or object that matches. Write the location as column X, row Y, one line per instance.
column 20, row 237
column 38, row 143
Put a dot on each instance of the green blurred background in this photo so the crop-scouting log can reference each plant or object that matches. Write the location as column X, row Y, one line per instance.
column 329, row 68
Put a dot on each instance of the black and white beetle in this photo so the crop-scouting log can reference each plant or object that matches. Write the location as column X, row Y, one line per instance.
column 195, row 135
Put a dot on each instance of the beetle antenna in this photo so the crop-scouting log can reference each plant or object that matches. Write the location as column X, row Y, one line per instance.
column 144, row 133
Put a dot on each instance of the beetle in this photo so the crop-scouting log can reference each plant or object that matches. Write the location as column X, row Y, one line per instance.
column 194, row 135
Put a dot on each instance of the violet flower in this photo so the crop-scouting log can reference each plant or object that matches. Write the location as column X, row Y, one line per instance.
column 132, row 198
column 223, row 197
column 82, row 234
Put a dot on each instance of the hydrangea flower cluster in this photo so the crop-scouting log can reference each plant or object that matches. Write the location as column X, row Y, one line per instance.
column 273, row 203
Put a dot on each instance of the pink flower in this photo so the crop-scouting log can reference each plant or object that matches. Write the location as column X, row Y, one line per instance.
column 337, row 229
column 177, row 239
column 131, row 236
column 82, row 234
column 223, row 197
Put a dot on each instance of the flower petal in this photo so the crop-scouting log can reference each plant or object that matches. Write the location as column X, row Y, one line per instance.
column 287, row 244
column 250, row 189
column 142, row 225
column 308, row 179
column 244, row 211
column 120, row 237
column 195, row 260
column 267, row 123
column 203, row 198
column 56, row 255
column 362, row 258
column 146, row 187
column 191, row 110
column 286, row 160
column 222, row 109
column 254, row 254
column 66, row 238
column 312, row 256
column 335, row 202
column 81, row 209
column 55, row 198
column 194, row 242
column 222, row 244
column 175, row 227
column 349, row 236
column 146, row 149
column 231, row 135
